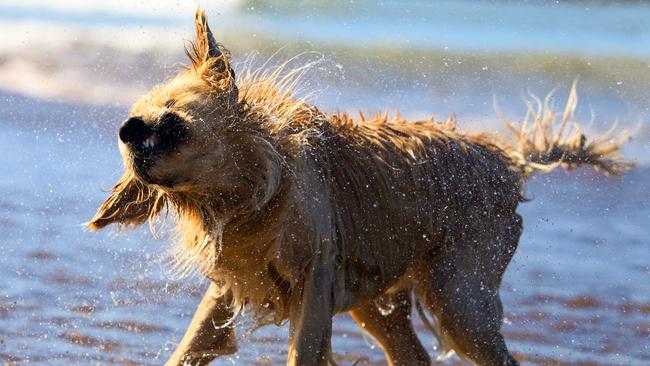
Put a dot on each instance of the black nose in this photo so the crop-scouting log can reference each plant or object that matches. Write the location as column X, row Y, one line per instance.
column 134, row 130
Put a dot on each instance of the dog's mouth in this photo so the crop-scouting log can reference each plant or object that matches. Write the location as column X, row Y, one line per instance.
column 148, row 143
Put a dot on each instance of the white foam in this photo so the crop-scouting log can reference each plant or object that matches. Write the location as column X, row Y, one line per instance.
column 151, row 8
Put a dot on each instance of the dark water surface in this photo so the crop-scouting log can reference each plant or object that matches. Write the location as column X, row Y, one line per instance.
column 577, row 292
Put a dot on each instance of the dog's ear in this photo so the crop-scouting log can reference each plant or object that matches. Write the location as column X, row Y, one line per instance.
column 129, row 204
column 209, row 57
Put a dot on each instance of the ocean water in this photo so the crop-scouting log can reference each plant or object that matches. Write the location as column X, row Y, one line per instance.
column 576, row 293
column 605, row 28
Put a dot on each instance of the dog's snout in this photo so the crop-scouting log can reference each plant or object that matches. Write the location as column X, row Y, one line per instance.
column 134, row 130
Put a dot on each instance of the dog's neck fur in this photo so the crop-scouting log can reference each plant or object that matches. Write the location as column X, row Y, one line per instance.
column 227, row 219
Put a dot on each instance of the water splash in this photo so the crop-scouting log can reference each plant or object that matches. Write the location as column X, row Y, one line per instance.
column 385, row 305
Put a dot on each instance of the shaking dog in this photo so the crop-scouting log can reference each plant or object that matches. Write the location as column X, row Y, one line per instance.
column 299, row 215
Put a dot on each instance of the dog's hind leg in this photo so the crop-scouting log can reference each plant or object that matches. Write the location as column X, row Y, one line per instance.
column 472, row 328
column 462, row 290
column 393, row 331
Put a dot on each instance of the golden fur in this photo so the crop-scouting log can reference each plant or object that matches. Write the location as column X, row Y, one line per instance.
column 268, row 187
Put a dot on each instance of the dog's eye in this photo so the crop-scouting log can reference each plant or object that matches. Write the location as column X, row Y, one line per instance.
column 172, row 125
column 170, row 103
column 171, row 120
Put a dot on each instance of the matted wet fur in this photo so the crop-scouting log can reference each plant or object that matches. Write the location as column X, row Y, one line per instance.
column 297, row 214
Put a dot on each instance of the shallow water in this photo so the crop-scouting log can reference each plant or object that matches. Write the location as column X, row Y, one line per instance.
column 577, row 292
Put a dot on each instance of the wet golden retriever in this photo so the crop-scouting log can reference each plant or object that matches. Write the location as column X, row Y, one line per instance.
column 301, row 215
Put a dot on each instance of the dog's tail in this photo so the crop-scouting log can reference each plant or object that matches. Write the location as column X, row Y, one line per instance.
column 546, row 140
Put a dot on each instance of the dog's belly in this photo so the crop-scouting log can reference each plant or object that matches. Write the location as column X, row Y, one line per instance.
column 380, row 251
column 362, row 284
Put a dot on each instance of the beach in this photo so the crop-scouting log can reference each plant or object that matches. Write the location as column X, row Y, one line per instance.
column 576, row 293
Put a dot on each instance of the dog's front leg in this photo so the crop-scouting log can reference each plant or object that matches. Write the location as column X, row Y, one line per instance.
column 311, row 318
column 210, row 333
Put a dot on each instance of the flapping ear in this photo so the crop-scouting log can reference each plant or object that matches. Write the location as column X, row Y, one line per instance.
column 129, row 204
column 209, row 57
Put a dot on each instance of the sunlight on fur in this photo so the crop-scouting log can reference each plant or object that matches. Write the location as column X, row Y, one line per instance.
column 545, row 143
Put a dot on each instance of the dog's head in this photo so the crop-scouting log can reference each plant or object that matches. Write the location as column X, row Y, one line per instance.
column 181, row 138
column 173, row 130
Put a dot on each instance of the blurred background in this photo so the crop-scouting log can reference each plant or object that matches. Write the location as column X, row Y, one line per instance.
column 577, row 292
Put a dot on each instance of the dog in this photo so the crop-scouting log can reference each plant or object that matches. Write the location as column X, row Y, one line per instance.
column 299, row 215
